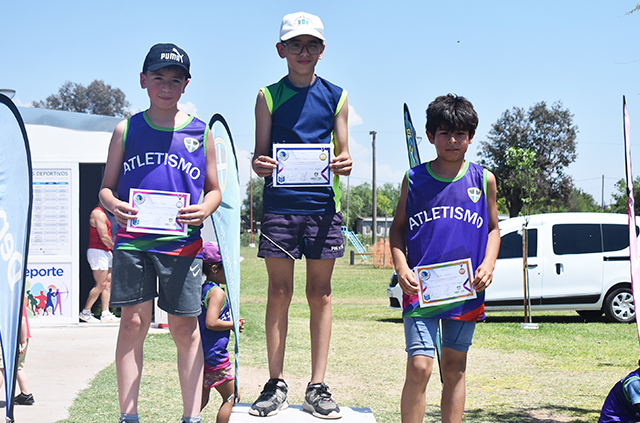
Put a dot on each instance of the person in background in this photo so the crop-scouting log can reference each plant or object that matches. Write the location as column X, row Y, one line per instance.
column 100, row 258
column 25, row 397
column 215, row 328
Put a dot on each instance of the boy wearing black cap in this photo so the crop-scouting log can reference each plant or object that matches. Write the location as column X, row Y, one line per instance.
column 302, row 108
column 161, row 149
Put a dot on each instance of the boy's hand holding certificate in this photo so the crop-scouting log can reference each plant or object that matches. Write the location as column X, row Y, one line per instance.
column 444, row 283
column 157, row 211
column 302, row 165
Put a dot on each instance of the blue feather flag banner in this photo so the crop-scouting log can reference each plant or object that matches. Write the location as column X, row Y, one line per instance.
column 15, row 220
column 410, row 134
column 633, row 242
column 226, row 219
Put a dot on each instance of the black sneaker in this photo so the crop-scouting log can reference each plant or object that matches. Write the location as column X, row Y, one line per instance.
column 23, row 399
column 272, row 399
column 318, row 401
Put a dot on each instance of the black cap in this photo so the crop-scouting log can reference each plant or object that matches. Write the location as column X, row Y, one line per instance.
column 163, row 55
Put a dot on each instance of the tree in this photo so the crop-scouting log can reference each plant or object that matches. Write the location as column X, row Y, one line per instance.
column 98, row 99
column 522, row 162
column 549, row 132
column 245, row 212
column 361, row 203
column 621, row 199
column 580, row 201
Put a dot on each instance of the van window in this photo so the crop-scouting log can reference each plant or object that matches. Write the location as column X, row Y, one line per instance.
column 511, row 244
column 615, row 237
column 576, row 239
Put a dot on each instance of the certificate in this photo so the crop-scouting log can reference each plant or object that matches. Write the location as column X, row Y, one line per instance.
column 157, row 211
column 444, row 283
column 302, row 165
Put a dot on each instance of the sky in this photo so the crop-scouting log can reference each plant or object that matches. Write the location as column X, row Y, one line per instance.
column 498, row 54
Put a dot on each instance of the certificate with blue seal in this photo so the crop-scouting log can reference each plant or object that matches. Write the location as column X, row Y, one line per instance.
column 302, row 165
column 444, row 283
column 157, row 211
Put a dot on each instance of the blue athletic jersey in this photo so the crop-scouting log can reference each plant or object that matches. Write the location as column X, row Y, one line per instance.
column 163, row 159
column 214, row 343
column 447, row 220
column 621, row 405
column 303, row 115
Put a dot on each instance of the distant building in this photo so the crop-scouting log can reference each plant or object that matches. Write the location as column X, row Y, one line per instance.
column 364, row 224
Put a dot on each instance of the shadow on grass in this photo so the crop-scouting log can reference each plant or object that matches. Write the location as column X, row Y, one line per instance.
column 514, row 318
column 542, row 414
column 569, row 318
column 391, row 320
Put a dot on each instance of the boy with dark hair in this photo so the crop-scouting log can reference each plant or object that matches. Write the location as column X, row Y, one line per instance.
column 301, row 108
column 623, row 402
column 446, row 215
column 161, row 149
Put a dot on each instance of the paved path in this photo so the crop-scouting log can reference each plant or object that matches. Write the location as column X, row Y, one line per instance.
column 62, row 361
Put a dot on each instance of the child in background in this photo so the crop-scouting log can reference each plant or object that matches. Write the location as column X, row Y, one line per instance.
column 25, row 397
column 215, row 327
column 623, row 402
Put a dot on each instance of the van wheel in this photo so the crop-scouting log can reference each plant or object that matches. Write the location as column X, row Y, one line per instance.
column 618, row 306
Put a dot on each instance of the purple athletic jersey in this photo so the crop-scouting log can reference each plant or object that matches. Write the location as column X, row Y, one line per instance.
column 214, row 343
column 163, row 159
column 618, row 407
column 447, row 220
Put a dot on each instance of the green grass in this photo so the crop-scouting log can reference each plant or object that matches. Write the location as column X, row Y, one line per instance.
column 558, row 373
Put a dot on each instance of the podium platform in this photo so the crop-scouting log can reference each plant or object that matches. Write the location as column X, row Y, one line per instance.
column 296, row 414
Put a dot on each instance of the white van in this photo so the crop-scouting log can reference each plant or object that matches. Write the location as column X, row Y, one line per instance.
column 576, row 261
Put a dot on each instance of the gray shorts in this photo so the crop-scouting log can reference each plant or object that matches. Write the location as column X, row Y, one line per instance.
column 135, row 276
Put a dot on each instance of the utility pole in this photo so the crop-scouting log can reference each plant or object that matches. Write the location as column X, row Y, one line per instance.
column 347, row 225
column 251, row 244
column 602, row 193
column 374, row 197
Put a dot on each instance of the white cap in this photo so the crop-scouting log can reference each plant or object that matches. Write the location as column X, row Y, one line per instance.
column 301, row 23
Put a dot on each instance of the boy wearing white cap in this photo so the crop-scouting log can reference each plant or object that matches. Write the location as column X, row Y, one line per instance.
column 301, row 220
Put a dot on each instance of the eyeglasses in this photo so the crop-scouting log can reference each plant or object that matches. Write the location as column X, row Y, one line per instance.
column 296, row 47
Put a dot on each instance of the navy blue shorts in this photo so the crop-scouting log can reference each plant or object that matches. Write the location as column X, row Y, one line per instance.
column 292, row 236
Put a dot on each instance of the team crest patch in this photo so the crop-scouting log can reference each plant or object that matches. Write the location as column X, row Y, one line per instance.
column 474, row 194
column 192, row 144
